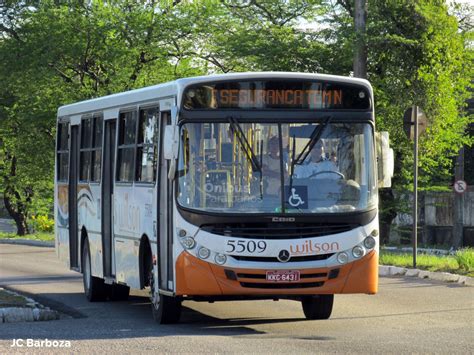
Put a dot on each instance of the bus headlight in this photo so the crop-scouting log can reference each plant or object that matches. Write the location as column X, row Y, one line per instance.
column 358, row 251
column 342, row 257
column 374, row 233
column 369, row 242
column 204, row 253
column 220, row 259
column 188, row 242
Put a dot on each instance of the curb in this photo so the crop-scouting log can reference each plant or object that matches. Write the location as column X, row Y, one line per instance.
column 33, row 312
column 29, row 242
column 386, row 270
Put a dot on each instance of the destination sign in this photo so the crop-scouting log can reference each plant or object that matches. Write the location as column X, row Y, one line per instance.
column 277, row 95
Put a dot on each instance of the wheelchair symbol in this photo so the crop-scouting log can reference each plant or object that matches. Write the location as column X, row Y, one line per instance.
column 295, row 199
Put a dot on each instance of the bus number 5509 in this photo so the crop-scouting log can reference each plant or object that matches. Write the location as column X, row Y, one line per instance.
column 250, row 246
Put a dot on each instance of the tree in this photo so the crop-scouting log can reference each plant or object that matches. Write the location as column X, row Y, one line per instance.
column 56, row 54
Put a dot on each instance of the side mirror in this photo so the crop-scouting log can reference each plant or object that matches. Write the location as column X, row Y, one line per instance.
column 168, row 142
column 385, row 159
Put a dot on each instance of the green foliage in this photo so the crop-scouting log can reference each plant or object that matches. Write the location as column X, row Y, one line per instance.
column 47, row 237
column 429, row 262
column 418, row 56
column 42, row 223
column 465, row 259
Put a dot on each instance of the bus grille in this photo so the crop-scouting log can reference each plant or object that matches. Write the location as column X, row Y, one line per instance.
column 257, row 279
column 276, row 231
column 263, row 276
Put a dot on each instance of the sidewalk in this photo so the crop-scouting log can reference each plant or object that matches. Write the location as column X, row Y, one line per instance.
column 18, row 308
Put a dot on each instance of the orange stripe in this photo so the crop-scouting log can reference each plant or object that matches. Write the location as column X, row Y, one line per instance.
column 197, row 277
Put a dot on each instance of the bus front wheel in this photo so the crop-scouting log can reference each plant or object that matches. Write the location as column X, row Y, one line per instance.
column 318, row 306
column 165, row 309
column 94, row 287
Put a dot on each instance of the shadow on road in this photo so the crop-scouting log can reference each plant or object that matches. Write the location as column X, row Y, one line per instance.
column 127, row 319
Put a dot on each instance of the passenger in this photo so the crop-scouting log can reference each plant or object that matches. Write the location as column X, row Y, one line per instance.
column 271, row 167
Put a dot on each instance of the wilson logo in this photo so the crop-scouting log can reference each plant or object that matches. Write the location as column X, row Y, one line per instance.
column 310, row 247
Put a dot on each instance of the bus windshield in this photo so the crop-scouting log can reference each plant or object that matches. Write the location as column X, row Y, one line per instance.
column 249, row 167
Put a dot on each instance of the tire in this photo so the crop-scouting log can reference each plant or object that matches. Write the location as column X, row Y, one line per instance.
column 94, row 287
column 117, row 292
column 318, row 306
column 165, row 309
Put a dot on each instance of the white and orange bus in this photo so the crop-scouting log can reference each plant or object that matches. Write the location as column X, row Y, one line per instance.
column 223, row 187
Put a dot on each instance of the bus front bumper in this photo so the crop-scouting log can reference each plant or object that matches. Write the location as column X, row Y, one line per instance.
column 195, row 277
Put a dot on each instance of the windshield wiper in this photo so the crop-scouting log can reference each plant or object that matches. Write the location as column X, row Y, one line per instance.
column 244, row 144
column 314, row 138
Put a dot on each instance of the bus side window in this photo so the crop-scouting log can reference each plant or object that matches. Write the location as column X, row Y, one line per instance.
column 63, row 151
column 146, row 145
column 96, row 147
column 126, row 146
column 85, row 149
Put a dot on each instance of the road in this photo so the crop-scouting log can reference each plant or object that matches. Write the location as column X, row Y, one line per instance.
column 7, row 225
column 406, row 316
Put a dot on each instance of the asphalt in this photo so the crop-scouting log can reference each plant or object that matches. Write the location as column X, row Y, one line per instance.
column 7, row 225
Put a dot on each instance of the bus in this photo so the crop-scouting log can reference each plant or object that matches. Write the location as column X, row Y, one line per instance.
column 244, row 186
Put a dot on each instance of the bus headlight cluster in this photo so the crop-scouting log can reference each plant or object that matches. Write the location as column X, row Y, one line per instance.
column 188, row 242
column 358, row 251
column 220, row 259
column 204, row 253
column 342, row 257
column 369, row 242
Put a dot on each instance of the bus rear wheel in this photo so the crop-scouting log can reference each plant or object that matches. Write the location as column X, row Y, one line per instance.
column 94, row 287
column 165, row 309
column 317, row 306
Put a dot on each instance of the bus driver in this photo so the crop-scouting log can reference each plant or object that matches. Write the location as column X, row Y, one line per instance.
column 319, row 166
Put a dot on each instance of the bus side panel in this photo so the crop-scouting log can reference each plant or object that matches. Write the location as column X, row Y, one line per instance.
column 62, row 223
column 126, row 239
column 145, row 202
column 95, row 247
column 140, row 215
column 63, row 244
column 88, row 207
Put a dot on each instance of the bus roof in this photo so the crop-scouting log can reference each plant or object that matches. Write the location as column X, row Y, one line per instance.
column 175, row 89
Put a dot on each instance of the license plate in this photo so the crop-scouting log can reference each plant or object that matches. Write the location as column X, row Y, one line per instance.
column 283, row 276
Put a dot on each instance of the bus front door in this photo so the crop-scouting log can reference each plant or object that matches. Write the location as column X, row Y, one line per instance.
column 165, row 217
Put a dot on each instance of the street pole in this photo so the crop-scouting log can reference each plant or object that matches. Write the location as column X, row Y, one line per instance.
column 458, row 203
column 415, row 186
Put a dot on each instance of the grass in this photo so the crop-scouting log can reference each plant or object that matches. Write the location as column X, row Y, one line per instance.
column 35, row 236
column 460, row 263
column 8, row 299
